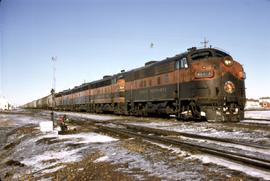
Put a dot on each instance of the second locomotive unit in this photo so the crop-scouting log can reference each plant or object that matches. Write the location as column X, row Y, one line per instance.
column 198, row 84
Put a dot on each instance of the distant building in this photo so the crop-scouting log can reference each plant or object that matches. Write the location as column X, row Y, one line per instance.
column 265, row 102
column 253, row 104
column 4, row 105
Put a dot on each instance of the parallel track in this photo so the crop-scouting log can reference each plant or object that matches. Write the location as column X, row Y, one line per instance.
column 131, row 130
column 167, row 133
column 257, row 119
column 248, row 160
column 190, row 135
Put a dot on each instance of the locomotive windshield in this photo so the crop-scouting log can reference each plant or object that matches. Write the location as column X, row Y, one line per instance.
column 220, row 53
column 207, row 54
column 201, row 55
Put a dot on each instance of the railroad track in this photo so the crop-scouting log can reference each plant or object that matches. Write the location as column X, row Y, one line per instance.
column 190, row 135
column 168, row 132
column 242, row 158
column 16, row 113
column 144, row 133
column 257, row 119
column 174, row 133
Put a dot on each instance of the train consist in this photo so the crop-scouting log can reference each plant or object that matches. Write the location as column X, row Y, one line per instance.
column 198, row 84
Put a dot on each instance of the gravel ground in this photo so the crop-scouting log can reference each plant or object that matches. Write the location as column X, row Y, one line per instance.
column 130, row 159
column 3, row 135
column 87, row 154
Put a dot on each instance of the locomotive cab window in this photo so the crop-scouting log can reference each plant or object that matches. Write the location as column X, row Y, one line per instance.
column 221, row 54
column 182, row 63
column 114, row 80
column 201, row 55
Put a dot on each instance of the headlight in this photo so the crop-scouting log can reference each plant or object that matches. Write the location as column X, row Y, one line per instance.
column 229, row 87
column 204, row 74
column 228, row 62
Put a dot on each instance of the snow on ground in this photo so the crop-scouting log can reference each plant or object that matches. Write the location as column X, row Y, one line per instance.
column 205, row 129
column 231, row 165
column 102, row 159
column 81, row 138
column 43, row 157
column 260, row 151
column 218, row 130
column 19, row 120
column 163, row 169
column 89, row 116
column 148, row 163
column 180, row 152
column 219, row 161
column 257, row 114
column 43, row 161
column 267, row 123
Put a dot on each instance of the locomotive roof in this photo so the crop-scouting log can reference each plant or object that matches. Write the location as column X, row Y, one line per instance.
column 81, row 87
column 105, row 80
column 168, row 59
column 156, row 63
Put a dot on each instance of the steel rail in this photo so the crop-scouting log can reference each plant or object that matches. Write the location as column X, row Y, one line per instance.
column 249, row 160
column 190, row 135
column 257, row 119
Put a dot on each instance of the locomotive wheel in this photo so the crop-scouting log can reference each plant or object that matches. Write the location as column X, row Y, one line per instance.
column 136, row 110
column 195, row 110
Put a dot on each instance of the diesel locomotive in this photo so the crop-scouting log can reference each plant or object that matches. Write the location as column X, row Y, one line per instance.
column 198, row 84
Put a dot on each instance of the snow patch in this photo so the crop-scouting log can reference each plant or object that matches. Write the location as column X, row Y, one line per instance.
column 52, row 170
column 173, row 149
column 234, row 166
column 231, row 145
column 257, row 114
column 89, row 116
column 214, row 130
column 20, row 120
column 60, row 150
column 101, row 159
column 63, row 156
column 88, row 138
column 256, row 121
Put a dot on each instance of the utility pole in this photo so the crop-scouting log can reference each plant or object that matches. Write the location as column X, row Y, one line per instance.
column 1, row 77
column 54, row 58
column 1, row 60
column 205, row 42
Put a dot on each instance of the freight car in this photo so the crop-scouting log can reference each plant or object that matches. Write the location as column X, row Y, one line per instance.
column 44, row 102
column 198, row 84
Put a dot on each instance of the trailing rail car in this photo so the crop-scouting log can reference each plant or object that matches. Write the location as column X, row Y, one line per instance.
column 198, row 84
